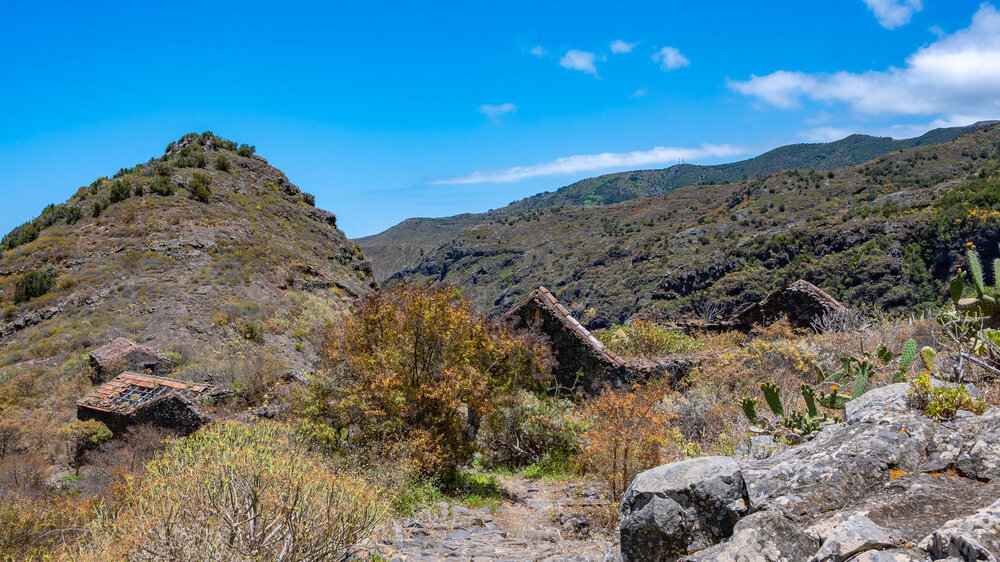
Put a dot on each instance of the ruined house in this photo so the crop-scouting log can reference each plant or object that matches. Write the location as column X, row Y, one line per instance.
column 583, row 362
column 801, row 303
column 132, row 398
column 122, row 355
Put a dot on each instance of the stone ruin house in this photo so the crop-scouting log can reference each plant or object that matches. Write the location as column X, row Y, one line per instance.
column 801, row 303
column 575, row 349
column 132, row 398
column 122, row 355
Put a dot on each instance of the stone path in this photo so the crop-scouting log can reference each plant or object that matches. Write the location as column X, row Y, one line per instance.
column 539, row 520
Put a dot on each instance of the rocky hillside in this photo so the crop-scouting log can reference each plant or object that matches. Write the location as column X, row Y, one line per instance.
column 206, row 251
column 403, row 244
column 887, row 231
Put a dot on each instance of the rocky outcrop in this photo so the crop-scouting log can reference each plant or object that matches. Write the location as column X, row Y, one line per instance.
column 677, row 508
column 871, row 488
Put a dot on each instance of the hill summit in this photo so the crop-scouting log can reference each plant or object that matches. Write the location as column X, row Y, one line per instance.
column 206, row 252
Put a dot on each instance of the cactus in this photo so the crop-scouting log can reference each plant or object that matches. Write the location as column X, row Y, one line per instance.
column 906, row 358
column 834, row 401
column 884, row 354
column 773, row 398
column 927, row 355
column 810, row 397
column 957, row 286
column 862, row 376
column 976, row 269
column 749, row 406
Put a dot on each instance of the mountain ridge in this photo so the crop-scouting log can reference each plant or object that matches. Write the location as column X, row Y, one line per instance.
column 393, row 249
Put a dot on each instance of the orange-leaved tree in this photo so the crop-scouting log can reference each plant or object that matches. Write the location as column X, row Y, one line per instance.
column 626, row 433
column 415, row 363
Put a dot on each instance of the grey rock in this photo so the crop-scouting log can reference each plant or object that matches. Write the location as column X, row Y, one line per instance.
column 851, row 537
column 874, row 403
column 974, row 537
column 982, row 460
column 765, row 536
column 681, row 507
column 460, row 535
column 893, row 555
column 613, row 554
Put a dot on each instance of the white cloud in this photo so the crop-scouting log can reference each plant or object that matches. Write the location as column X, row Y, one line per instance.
column 640, row 93
column 670, row 59
column 825, row 134
column 538, row 51
column 894, row 13
column 619, row 47
column 579, row 60
column 604, row 161
column 958, row 75
column 495, row 111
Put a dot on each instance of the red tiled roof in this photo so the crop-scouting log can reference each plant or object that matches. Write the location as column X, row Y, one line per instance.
column 127, row 392
column 547, row 300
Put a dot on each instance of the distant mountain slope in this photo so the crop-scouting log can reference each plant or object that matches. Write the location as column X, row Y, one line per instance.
column 888, row 232
column 207, row 251
column 392, row 250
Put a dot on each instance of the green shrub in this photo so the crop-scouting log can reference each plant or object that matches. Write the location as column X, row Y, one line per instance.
column 98, row 208
column 221, row 163
column 162, row 186
column 239, row 492
column 942, row 402
column 528, row 429
column 23, row 234
column 642, row 338
column 33, row 284
column 246, row 150
column 309, row 199
column 120, row 191
column 198, row 187
column 191, row 157
column 139, row 191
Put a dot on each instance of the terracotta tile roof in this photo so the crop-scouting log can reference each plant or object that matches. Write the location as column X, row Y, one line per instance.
column 547, row 300
column 119, row 348
column 128, row 392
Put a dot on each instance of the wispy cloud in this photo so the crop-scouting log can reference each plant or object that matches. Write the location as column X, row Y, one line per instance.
column 894, row 13
column 495, row 111
column 620, row 47
column 605, row 161
column 670, row 59
column 538, row 51
column 957, row 76
column 640, row 93
column 579, row 60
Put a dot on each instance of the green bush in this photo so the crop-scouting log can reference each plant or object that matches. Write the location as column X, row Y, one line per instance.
column 120, row 191
column 191, row 157
column 33, row 285
column 529, row 429
column 246, row 150
column 198, row 187
column 942, row 402
column 309, row 199
column 162, row 186
column 221, row 163
column 642, row 338
column 234, row 491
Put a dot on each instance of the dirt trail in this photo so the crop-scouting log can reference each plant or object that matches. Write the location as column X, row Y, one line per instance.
column 538, row 520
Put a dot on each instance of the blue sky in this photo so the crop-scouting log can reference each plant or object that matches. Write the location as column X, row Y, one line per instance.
column 386, row 110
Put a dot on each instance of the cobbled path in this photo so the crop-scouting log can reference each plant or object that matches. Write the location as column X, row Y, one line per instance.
column 539, row 520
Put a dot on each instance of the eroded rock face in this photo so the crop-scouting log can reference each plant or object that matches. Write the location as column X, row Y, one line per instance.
column 674, row 509
column 973, row 537
column 873, row 488
column 765, row 536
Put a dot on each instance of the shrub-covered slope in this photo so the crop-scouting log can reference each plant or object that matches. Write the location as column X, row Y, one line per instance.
column 207, row 251
column 404, row 244
column 885, row 232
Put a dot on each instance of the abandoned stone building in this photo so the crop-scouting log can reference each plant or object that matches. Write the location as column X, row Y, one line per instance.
column 583, row 362
column 133, row 398
column 801, row 303
column 120, row 355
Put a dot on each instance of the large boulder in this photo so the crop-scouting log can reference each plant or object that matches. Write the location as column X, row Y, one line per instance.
column 973, row 537
column 674, row 509
column 869, row 489
column 765, row 536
